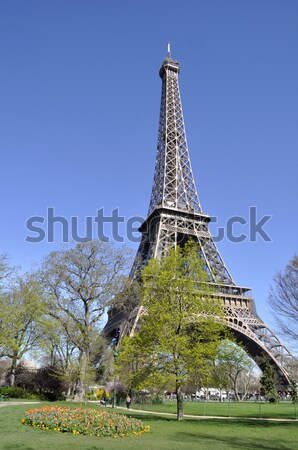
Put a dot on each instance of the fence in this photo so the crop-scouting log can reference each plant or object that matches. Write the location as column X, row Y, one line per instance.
column 246, row 409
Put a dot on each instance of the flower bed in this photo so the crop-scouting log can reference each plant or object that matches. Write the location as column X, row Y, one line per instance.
column 84, row 421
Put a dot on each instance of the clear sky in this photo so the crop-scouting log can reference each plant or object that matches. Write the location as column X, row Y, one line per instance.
column 79, row 107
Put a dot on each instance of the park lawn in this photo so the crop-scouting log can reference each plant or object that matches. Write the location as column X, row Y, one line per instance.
column 282, row 410
column 166, row 433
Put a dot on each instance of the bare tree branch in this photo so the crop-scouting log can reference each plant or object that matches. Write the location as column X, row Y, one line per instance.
column 283, row 299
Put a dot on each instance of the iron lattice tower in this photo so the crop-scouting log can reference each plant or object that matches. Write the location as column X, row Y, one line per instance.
column 174, row 216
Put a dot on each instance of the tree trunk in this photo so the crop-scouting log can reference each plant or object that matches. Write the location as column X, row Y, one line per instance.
column 197, row 390
column 79, row 391
column 69, row 389
column 80, row 386
column 12, row 378
column 12, row 374
column 236, row 390
column 179, row 395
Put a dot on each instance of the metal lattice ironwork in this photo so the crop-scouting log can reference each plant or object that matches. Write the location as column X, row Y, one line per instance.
column 173, row 184
column 174, row 216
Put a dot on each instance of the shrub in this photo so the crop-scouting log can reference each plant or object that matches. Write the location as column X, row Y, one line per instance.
column 45, row 381
column 14, row 392
column 84, row 421
column 52, row 396
column 157, row 400
column 18, row 392
column 100, row 393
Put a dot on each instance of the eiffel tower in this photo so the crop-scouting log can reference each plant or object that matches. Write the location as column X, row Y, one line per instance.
column 174, row 216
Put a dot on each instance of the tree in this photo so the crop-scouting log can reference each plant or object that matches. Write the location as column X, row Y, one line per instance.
column 82, row 283
column 283, row 299
column 58, row 350
column 5, row 269
column 201, row 374
column 42, row 380
column 236, row 366
column 294, row 391
column 21, row 306
column 178, row 327
column 268, row 382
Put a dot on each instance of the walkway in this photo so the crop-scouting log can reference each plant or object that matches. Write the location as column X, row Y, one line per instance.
column 17, row 403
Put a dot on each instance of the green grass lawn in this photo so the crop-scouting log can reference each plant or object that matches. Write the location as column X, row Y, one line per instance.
column 282, row 410
column 166, row 433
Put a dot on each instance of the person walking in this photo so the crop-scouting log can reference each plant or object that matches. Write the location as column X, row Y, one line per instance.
column 128, row 401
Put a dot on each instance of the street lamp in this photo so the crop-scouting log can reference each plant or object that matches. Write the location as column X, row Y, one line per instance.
column 115, row 354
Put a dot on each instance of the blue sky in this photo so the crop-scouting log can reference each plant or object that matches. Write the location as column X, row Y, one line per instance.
column 79, row 107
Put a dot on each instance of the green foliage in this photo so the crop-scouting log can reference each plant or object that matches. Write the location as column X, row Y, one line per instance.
column 294, row 391
column 157, row 400
column 21, row 306
column 15, row 392
column 268, row 383
column 179, row 335
column 233, row 368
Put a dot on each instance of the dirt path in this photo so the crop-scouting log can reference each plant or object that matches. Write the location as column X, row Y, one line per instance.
column 17, row 403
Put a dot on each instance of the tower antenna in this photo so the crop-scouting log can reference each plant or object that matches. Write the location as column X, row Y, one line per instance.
column 169, row 50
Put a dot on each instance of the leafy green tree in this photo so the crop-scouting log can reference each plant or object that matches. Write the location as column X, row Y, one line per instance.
column 268, row 382
column 81, row 283
column 294, row 391
column 57, row 350
column 178, row 326
column 235, row 366
column 56, row 346
column 21, row 306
